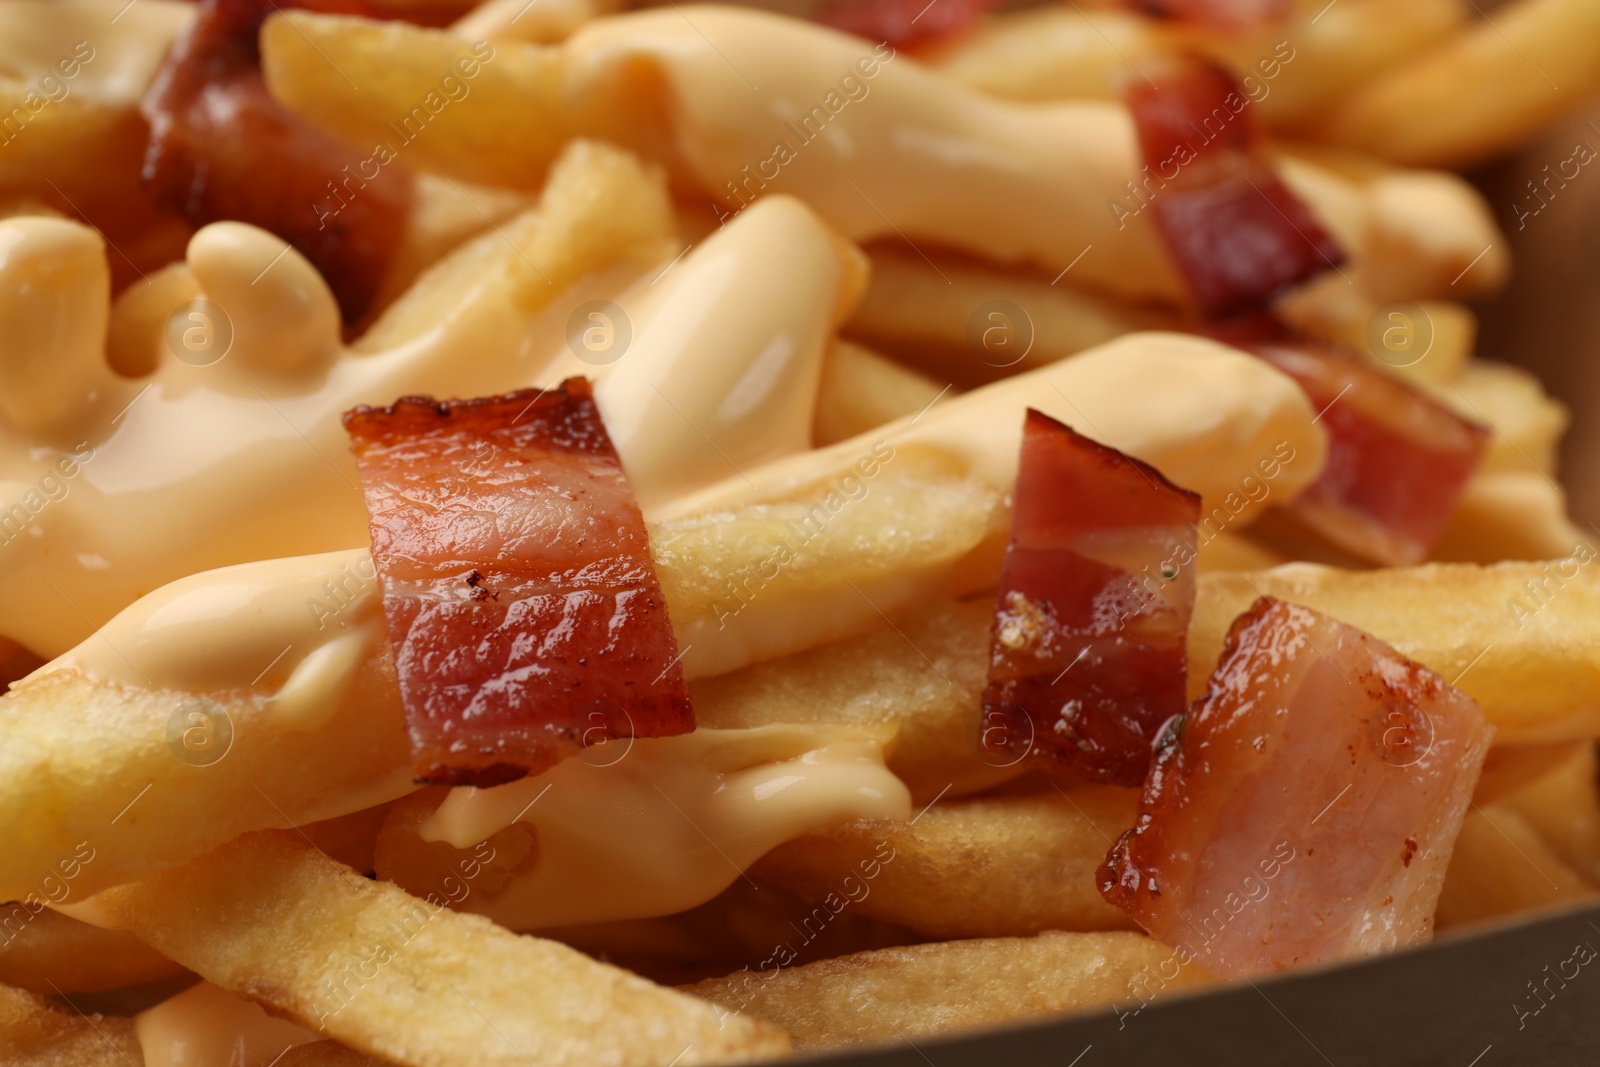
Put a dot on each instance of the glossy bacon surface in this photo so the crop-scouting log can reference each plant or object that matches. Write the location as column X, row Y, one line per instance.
column 1306, row 807
column 221, row 148
column 520, row 595
column 1398, row 460
column 1087, row 659
column 1235, row 230
column 904, row 23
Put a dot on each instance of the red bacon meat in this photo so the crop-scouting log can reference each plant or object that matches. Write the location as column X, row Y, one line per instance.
column 1398, row 460
column 1305, row 808
column 521, row 599
column 221, row 148
column 1236, row 232
column 1087, row 659
column 904, row 23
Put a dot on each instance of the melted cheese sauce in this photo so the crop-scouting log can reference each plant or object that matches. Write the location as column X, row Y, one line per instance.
column 208, row 1027
column 250, row 450
column 633, row 829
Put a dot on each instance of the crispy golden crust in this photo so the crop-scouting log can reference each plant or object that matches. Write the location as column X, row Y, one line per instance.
column 951, row 986
column 270, row 918
column 35, row 1034
column 989, row 867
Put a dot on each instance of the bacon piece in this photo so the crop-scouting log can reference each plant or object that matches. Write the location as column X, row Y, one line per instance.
column 1223, row 14
column 1398, row 460
column 1087, row 659
column 1304, row 810
column 222, row 148
column 904, row 23
column 518, row 587
column 1235, row 230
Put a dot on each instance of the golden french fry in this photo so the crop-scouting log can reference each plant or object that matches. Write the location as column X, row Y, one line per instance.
column 36, row 1033
column 1501, row 866
column 270, row 918
column 1563, row 807
column 1002, row 866
column 1429, row 342
column 1479, row 93
column 47, row 952
column 926, row 677
column 1512, row 768
column 102, row 786
column 546, row 22
column 861, row 390
column 1527, row 423
column 965, row 322
column 1510, row 515
column 735, row 573
column 1233, row 552
column 327, row 1054
column 443, row 215
column 1523, row 639
column 1051, row 53
column 953, row 986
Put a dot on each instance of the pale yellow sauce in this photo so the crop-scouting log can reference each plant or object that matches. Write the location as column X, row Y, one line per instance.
column 208, row 1027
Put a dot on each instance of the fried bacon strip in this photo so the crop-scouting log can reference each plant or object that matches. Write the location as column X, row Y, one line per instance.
column 1087, row 658
column 1305, row 808
column 1398, row 460
column 1236, row 232
column 520, row 595
column 904, row 23
column 221, row 148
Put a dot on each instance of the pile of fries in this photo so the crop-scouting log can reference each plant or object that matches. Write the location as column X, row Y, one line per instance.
column 814, row 281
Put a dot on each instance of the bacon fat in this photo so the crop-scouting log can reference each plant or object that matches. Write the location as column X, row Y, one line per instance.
column 1088, row 659
column 518, row 587
column 221, row 148
column 1305, row 808
column 1236, row 232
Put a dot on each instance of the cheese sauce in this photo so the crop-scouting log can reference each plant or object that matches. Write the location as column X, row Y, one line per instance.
column 208, row 1027
column 633, row 829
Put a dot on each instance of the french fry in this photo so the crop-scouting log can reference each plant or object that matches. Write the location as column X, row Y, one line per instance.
column 1563, row 807
column 94, row 786
column 1512, row 768
column 728, row 577
column 861, row 390
column 1002, row 866
column 1051, row 53
column 270, row 918
column 35, row 1033
column 327, row 1054
column 1500, row 866
column 1523, row 639
column 926, row 677
column 1429, row 343
column 925, row 312
column 1479, row 93
column 47, row 952
column 954, row 986
column 547, row 22
column 1429, row 234
column 1518, row 515
column 1526, row 421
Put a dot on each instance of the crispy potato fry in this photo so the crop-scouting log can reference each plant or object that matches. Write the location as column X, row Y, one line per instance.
column 1429, row 343
column 327, row 1054
column 927, row 678
column 1296, row 67
column 1511, row 768
column 1523, row 639
column 937, row 317
column 89, row 761
column 1483, row 91
column 1527, row 422
column 547, row 22
column 270, row 918
column 1510, row 515
column 600, row 206
column 1232, row 552
column 1500, row 866
column 894, row 538
column 444, row 214
column 35, row 1033
column 954, row 986
column 861, row 390
column 47, row 952
column 1563, row 807
column 1430, row 234
column 1002, row 866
